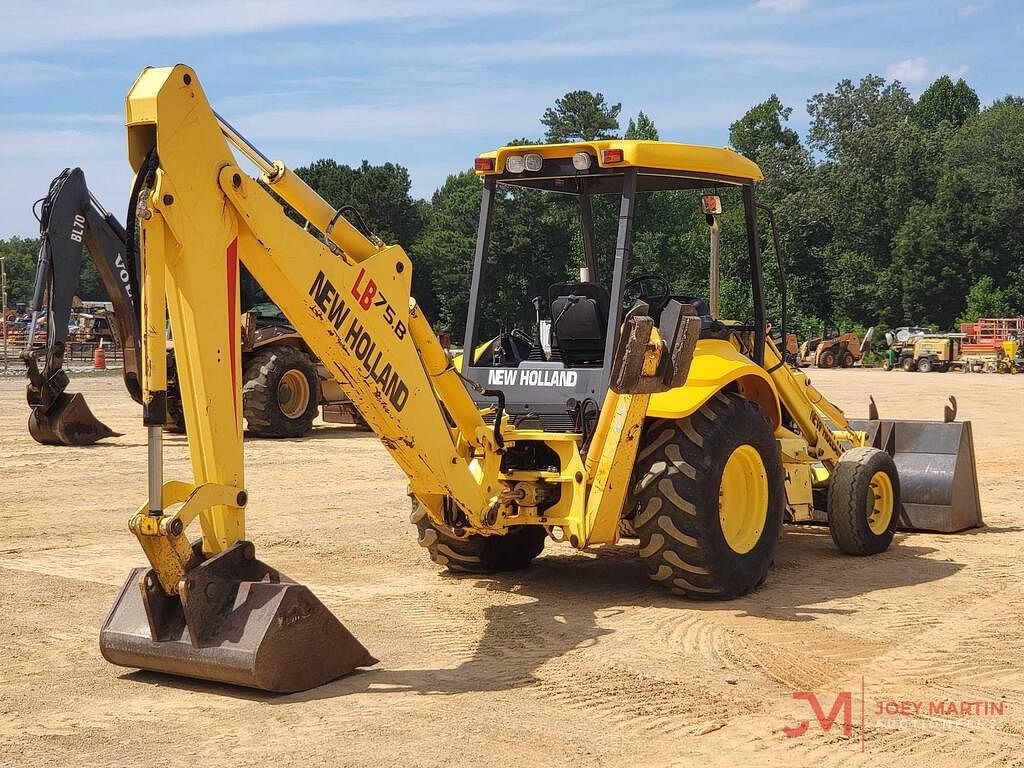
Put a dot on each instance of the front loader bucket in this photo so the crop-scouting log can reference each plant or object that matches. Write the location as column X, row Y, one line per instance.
column 237, row 621
column 67, row 421
column 938, row 477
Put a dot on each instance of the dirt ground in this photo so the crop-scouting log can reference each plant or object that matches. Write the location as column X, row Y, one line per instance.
column 576, row 661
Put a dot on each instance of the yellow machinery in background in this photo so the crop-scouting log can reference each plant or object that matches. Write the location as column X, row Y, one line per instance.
column 689, row 428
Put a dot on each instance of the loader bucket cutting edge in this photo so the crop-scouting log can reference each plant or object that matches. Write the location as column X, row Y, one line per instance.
column 937, row 471
column 237, row 621
column 68, row 421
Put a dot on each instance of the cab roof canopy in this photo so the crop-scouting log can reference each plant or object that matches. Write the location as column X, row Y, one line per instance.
column 660, row 165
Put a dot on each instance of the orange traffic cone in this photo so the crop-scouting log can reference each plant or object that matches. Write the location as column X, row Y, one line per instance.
column 99, row 358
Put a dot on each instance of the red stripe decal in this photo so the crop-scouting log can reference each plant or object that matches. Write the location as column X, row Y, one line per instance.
column 232, row 269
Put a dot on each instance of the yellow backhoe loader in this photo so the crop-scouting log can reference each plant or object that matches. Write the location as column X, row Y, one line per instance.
column 688, row 427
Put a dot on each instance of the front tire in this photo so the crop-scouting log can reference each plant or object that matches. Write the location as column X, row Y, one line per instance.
column 478, row 554
column 925, row 365
column 864, row 501
column 827, row 359
column 709, row 496
column 280, row 394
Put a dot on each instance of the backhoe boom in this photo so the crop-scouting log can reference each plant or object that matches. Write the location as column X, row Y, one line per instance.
column 70, row 220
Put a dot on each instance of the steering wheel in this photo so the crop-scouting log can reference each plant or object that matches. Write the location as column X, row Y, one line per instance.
column 643, row 283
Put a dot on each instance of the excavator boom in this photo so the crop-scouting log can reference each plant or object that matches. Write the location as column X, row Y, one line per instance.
column 349, row 297
column 70, row 219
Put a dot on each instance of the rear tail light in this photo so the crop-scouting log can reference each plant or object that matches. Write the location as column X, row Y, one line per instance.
column 611, row 156
column 483, row 164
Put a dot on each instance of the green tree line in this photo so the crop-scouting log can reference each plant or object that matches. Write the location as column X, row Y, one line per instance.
column 891, row 210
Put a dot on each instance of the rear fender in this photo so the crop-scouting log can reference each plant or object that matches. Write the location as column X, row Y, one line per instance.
column 716, row 365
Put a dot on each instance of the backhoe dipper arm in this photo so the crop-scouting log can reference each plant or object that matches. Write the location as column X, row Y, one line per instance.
column 348, row 296
column 71, row 218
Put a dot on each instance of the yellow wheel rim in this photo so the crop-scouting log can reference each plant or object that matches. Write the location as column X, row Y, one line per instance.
column 743, row 499
column 293, row 393
column 881, row 502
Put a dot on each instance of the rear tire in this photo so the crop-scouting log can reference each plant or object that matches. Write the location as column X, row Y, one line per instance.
column 697, row 538
column 827, row 359
column 864, row 501
column 478, row 554
column 175, row 408
column 925, row 365
column 908, row 364
column 281, row 392
column 886, row 365
column 846, row 359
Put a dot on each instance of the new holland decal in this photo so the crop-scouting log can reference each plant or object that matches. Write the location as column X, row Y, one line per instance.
column 530, row 377
column 356, row 338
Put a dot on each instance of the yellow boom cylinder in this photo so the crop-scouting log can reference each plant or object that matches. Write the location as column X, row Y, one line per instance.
column 300, row 196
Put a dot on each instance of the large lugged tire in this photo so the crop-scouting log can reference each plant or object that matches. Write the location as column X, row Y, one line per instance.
column 827, row 359
column 925, row 365
column 709, row 495
column 175, row 408
column 280, row 394
column 478, row 554
column 864, row 501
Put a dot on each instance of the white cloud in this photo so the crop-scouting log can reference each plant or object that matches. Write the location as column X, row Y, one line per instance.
column 33, row 157
column 780, row 6
column 909, row 70
column 918, row 70
column 68, row 20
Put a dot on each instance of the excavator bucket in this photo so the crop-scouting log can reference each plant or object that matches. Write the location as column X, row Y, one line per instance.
column 67, row 421
column 235, row 620
column 938, row 477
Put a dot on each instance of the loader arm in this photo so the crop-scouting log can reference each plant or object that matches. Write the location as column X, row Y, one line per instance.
column 71, row 218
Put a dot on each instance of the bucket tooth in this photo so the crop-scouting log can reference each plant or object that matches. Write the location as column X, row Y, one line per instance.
column 237, row 621
column 67, row 421
column 938, row 475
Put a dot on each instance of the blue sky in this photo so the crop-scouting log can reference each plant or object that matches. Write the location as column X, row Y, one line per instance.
column 431, row 83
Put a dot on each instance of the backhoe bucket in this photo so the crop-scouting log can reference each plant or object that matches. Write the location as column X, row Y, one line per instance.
column 237, row 620
column 67, row 421
column 938, row 477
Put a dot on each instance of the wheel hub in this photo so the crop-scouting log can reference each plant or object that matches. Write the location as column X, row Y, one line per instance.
column 880, row 503
column 743, row 499
column 293, row 393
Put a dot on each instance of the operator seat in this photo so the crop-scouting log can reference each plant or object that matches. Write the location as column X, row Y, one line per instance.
column 579, row 322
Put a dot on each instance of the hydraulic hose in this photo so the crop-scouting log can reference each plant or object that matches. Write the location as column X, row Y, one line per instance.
column 143, row 178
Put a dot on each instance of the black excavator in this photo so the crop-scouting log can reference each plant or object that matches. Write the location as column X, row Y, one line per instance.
column 283, row 382
column 70, row 218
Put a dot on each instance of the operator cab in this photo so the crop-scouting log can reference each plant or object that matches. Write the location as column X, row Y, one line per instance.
column 550, row 354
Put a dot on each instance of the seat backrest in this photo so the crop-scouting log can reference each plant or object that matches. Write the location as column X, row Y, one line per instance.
column 579, row 320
